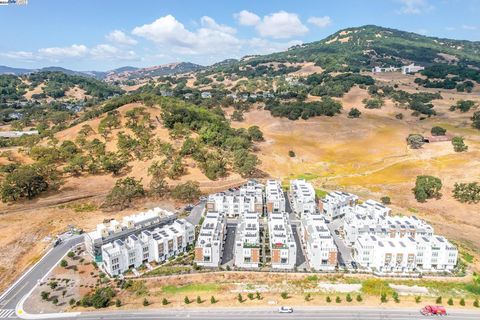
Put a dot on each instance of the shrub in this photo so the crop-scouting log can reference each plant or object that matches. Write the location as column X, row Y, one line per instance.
column 439, row 300
column 450, row 301
column 395, row 297
column 45, row 295
column 415, row 141
column 328, row 299
column 459, row 145
column 55, row 300
column 99, row 299
column 199, row 300
column 462, row 302
column 476, row 304
column 188, row 191
column 63, row 263
column 284, row 295
column 72, row 302
column 354, row 113
column 186, row 300
column 71, row 254
column 438, row 131
column 258, row 295
column 359, row 298
column 399, row 116
column 418, row 299
column 427, row 187
column 349, row 298
column 118, row 303
column 250, row 296
column 338, row 299
column 213, row 300
column 291, row 153
column 165, row 301
column 308, row 297
column 240, row 298
column 386, row 200
column 145, row 302
column 383, row 297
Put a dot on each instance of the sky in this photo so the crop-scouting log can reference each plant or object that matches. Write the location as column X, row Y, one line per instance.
column 106, row 34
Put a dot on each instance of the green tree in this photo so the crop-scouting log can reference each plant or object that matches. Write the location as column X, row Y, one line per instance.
column 427, row 187
column 354, row 113
column 113, row 163
column 462, row 302
column 237, row 115
column 359, row 298
column 111, row 121
column 383, row 297
column 244, row 162
column 438, row 300
column 158, row 186
column 63, row 263
column 328, row 299
column 415, row 141
column 476, row 303
column 145, row 302
column 438, row 131
column 165, row 301
column 476, row 120
column 186, row 300
column 240, row 298
column 386, row 200
column 250, row 296
column 199, row 300
column 213, row 300
column 284, row 295
column 255, row 133
column 124, row 192
column 418, row 299
column 291, row 154
column 459, row 145
column 450, row 302
column 26, row 181
column 118, row 303
column 349, row 298
column 188, row 191
column 338, row 299
column 467, row 192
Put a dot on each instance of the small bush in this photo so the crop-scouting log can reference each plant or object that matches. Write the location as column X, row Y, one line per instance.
column 328, row 299
column 186, row 300
column 199, row 300
column 258, row 295
column 145, row 302
column 63, row 263
column 165, row 301
column 284, row 295
column 418, row 299
column 240, row 298
column 439, row 300
column 462, row 302
column 476, row 304
column 348, row 298
column 291, row 154
column 213, row 300
column 250, row 296
column 450, row 302
column 71, row 254
column 383, row 298
column 72, row 302
column 338, row 299
column 308, row 297
column 359, row 298
column 118, row 303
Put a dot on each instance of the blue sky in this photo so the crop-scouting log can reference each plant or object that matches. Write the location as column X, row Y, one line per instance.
column 105, row 34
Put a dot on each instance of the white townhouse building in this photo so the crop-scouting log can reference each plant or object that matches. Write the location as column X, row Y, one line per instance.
column 405, row 254
column 248, row 199
column 151, row 245
column 209, row 245
column 320, row 249
column 283, row 248
column 411, row 68
column 247, row 241
column 274, row 196
column 337, row 205
column 130, row 225
column 302, row 197
column 385, row 255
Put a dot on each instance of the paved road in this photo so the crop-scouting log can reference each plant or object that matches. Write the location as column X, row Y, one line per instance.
column 300, row 257
column 229, row 244
column 344, row 252
column 29, row 280
column 196, row 213
column 270, row 313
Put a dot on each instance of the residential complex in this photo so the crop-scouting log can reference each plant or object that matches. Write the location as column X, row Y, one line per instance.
column 106, row 233
column 156, row 245
column 320, row 248
column 337, row 204
column 386, row 243
column 209, row 246
column 283, row 249
column 248, row 199
column 302, row 197
column 274, row 197
column 247, row 241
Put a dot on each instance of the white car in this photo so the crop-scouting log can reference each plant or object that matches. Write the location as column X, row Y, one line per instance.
column 285, row 309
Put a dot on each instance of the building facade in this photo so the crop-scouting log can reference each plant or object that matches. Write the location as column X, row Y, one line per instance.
column 337, row 205
column 209, row 246
column 320, row 248
column 274, row 197
column 247, row 242
column 302, row 196
column 283, row 249
column 156, row 245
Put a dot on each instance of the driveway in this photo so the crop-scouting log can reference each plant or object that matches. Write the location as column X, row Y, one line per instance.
column 344, row 251
column 228, row 247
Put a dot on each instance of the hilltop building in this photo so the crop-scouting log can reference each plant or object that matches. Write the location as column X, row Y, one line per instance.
column 337, row 204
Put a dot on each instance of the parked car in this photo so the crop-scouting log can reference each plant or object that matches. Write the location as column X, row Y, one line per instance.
column 354, row 265
column 57, row 242
column 337, row 232
column 433, row 310
column 284, row 309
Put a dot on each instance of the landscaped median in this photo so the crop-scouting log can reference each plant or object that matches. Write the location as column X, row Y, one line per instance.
column 227, row 289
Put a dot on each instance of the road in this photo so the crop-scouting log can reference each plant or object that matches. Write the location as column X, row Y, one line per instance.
column 27, row 282
column 344, row 252
column 196, row 213
column 270, row 313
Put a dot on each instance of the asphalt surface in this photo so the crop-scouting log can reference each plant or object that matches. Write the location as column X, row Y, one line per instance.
column 300, row 257
column 228, row 247
column 344, row 313
column 196, row 213
column 344, row 252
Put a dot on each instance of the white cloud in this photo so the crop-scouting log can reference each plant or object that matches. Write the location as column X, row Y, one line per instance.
column 247, row 18
column 19, row 55
column 264, row 46
column 320, row 22
column 414, row 6
column 72, row 51
column 169, row 33
column 281, row 25
column 120, row 38
column 107, row 51
column 469, row 27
